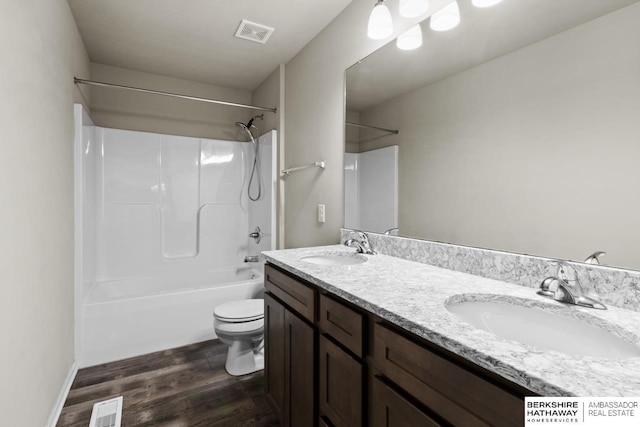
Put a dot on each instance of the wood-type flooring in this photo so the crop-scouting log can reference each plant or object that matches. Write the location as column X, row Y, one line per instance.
column 181, row 387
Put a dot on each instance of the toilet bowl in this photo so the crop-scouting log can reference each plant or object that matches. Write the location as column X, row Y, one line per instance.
column 240, row 325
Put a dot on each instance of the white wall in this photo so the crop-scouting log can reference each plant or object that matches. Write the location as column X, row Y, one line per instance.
column 123, row 109
column 41, row 52
column 534, row 152
column 267, row 94
column 315, row 116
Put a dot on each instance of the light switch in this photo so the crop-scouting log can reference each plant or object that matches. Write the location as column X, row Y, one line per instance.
column 321, row 213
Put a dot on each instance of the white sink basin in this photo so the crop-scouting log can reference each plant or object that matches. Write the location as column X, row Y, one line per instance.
column 552, row 328
column 335, row 259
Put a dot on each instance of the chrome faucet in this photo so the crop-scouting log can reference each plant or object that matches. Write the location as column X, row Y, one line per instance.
column 361, row 244
column 565, row 287
column 252, row 258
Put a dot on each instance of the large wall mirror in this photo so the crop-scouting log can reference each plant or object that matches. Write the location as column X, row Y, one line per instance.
column 519, row 130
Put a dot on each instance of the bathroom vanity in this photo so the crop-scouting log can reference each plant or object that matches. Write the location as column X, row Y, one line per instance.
column 355, row 340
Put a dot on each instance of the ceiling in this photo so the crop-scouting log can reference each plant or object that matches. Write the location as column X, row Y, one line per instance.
column 483, row 35
column 194, row 39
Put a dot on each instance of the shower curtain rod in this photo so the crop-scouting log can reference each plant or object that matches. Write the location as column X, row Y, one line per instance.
column 393, row 131
column 173, row 95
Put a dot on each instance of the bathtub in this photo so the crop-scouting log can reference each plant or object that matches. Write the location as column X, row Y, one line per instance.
column 131, row 317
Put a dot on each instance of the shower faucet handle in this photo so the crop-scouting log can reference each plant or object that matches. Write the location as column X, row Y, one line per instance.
column 256, row 235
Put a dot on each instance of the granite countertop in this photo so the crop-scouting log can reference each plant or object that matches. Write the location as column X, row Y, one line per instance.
column 413, row 296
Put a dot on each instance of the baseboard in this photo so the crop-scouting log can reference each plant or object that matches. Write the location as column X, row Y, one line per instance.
column 62, row 396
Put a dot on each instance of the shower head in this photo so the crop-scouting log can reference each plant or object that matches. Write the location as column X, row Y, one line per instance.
column 242, row 126
column 247, row 129
column 249, row 125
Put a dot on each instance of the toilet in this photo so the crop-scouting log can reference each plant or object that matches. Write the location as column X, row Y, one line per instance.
column 240, row 325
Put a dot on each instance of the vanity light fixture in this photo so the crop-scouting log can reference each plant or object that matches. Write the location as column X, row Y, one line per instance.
column 410, row 39
column 413, row 8
column 380, row 22
column 485, row 3
column 446, row 18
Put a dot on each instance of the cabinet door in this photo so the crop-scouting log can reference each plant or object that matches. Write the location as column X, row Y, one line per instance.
column 389, row 409
column 340, row 385
column 274, row 351
column 299, row 363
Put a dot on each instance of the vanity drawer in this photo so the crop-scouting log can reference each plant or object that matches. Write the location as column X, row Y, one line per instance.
column 450, row 390
column 295, row 294
column 342, row 323
column 390, row 409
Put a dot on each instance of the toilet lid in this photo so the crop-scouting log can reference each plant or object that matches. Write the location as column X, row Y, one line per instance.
column 240, row 311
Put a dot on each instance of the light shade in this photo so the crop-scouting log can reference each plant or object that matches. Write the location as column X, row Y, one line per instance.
column 410, row 39
column 380, row 23
column 413, row 8
column 485, row 3
column 446, row 18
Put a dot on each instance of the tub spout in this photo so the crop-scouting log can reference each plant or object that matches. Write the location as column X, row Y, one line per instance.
column 253, row 258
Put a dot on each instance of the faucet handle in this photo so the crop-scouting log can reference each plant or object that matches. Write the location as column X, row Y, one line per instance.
column 594, row 258
column 362, row 241
column 361, row 235
column 563, row 272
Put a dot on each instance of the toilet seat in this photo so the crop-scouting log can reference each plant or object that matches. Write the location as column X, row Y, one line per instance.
column 242, row 311
column 235, row 328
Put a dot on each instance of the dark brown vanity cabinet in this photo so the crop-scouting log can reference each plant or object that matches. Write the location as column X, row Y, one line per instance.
column 390, row 409
column 290, row 360
column 332, row 364
column 445, row 387
column 340, row 363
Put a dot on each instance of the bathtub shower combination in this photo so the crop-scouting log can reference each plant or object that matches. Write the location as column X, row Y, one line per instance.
column 164, row 224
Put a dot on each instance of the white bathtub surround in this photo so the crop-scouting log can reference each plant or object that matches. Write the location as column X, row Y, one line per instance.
column 262, row 212
column 164, row 226
column 371, row 189
column 413, row 296
column 614, row 286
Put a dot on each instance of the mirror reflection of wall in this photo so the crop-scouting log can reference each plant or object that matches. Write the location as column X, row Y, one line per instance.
column 371, row 190
column 519, row 136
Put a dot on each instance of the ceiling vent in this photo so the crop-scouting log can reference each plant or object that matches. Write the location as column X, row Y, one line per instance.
column 254, row 32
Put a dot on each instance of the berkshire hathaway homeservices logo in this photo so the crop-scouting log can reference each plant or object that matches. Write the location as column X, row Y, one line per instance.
column 582, row 411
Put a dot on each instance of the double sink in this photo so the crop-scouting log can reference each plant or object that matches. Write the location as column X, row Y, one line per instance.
column 541, row 324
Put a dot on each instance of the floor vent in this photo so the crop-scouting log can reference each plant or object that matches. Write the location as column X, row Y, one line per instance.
column 254, row 32
column 107, row 413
